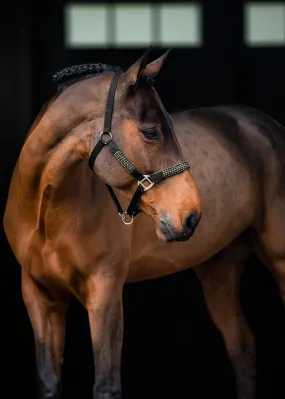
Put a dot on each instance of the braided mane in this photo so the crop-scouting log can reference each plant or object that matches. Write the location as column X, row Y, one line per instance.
column 68, row 76
column 72, row 74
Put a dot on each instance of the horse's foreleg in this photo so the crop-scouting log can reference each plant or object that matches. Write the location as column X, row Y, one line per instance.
column 48, row 322
column 220, row 283
column 105, row 310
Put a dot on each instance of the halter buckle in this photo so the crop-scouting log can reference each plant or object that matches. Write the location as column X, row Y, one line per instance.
column 146, row 178
column 109, row 140
column 124, row 217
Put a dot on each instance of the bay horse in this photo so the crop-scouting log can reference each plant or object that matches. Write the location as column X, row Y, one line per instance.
column 64, row 230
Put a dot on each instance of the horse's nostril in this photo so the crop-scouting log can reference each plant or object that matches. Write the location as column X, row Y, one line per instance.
column 191, row 222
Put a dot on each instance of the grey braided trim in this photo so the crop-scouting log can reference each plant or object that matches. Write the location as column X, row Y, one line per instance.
column 124, row 162
column 175, row 169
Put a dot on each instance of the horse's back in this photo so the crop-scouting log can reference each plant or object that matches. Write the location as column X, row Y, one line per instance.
column 268, row 138
column 256, row 137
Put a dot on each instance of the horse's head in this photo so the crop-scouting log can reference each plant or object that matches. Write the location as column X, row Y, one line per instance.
column 143, row 132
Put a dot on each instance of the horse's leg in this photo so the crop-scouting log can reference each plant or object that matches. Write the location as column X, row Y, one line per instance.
column 105, row 310
column 270, row 242
column 220, row 283
column 48, row 321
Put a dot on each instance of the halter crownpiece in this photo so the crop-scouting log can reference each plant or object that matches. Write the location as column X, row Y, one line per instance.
column 151, row 180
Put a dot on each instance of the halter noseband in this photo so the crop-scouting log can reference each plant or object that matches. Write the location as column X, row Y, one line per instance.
column 152, row 179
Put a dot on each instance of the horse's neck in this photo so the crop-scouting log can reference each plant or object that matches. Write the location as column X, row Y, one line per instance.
column 40, row 115
column 48, row 158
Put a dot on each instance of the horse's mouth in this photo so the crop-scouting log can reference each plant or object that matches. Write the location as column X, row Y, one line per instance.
column 170, row 234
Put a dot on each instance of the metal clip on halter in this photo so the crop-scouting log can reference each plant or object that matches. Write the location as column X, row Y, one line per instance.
column 124, row 216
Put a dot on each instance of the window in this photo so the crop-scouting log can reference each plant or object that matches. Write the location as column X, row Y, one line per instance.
column 85, row 25
column 134, row 25
column 180, row 25
column 265, row 24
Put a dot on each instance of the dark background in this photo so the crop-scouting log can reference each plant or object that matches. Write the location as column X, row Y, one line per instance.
column 170, row 348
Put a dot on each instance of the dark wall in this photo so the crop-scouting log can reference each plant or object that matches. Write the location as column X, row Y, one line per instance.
column 170, row 345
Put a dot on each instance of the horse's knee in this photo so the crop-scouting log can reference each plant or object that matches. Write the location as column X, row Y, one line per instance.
column 244, row 359
column 241, row 349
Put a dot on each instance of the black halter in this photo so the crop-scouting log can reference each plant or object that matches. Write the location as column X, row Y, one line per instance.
column 132, row 210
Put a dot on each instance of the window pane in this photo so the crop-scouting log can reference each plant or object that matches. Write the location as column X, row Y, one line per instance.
column 133, row 25
column 180, row 24
column 85, row 25
column 265, row 24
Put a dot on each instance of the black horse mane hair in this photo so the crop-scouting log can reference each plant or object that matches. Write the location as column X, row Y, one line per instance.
column 68, row 76
column 72, row 74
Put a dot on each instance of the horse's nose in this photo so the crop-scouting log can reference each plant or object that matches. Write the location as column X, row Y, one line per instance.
column 170, row 231
column 191, row 222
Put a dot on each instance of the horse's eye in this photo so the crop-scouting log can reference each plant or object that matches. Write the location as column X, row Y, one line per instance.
column 151, row 134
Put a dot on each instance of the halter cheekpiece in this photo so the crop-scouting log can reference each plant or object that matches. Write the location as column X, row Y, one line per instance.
column 145, row 182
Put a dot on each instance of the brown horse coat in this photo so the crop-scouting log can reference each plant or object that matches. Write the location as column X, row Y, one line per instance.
column 66, row 234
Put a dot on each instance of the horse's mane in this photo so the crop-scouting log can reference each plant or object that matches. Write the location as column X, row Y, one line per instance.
column 72, row 74
column 68, row 76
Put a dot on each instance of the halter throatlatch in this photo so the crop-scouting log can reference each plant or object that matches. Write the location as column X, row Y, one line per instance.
column 145, row 182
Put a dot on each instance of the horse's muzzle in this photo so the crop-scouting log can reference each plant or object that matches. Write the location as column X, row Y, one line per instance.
column 188, row 228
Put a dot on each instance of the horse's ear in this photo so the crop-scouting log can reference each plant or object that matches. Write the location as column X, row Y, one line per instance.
column 152, row 69
column 132, row 76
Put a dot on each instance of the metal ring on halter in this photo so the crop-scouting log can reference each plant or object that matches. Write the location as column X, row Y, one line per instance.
column 110, row 137
column 124, row 215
